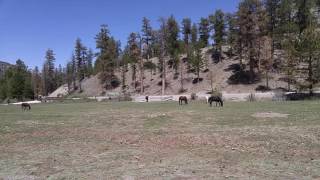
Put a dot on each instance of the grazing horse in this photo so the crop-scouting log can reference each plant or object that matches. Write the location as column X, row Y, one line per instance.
column 183, row 99
column 216, row 99
column 25, row 106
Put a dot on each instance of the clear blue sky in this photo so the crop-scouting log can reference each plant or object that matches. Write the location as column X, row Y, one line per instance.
column 29, row 27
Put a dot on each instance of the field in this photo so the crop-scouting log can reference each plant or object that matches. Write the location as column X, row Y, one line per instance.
column 261, row 140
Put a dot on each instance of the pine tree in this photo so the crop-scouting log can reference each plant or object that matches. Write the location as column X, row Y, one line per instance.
column 250, row 14
column 304, row 16
column 172, row 41
column 36, row 82
column 309, row 51
column 163, row 36
column 291, row 61
column 49, row 73
column 125, row 60
column 146, row 38
column 204, row 32
column 232, row 33
column 186, row 30
column 272, row 13
column 197, row 60
column 107, row 55
column 194, row 34
column 80, row 55
column 17, row 83
column 89, row 60
column 134, row 53
column 69, row 75
column 217, row 21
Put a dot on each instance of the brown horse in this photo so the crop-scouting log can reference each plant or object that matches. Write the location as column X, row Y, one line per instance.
column 216, row 99
column 25, row 106
column 183, row 99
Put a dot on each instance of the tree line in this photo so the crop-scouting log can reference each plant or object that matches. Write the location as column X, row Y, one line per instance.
column 265, row 35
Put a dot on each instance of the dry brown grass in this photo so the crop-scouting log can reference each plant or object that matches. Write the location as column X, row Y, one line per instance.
column 160, row 141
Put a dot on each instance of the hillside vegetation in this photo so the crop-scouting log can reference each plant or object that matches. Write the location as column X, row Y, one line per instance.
column 221, row 76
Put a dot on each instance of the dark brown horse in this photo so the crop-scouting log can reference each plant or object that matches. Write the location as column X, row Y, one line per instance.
column 216, row 99
column 25, row 106
column 183, row 99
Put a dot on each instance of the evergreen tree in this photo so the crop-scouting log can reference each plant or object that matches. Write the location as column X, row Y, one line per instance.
column 146, row 38
column 197, row 60
column 125, row 60
column 291, row 61
column 304, row 16
column 69, row 76
column 250, row 14
column 107, row 55
column 36, row 82
column 17, row 84
column 186, row 30
column 80, row 55
column 272, row 12
column 232, row 33
column 217, row 20
column 163, row 37
column 309, row 50
column 49, row 73
column 134, row 53
column 89, row 60
column 172, row 41
column 194, row 34
column 204, row 32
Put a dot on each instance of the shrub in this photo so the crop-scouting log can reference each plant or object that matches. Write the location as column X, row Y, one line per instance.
column 197, row 80
column 115, row 82
column 193, row 96
column 263, row 88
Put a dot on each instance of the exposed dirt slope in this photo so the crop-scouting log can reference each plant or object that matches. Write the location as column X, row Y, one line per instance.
column 221, row 72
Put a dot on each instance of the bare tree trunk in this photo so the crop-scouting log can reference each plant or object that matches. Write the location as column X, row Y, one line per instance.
column 267, row 78
column 211, row 81
column 310, row 74
column 163, row 76
column 181, row 75
column 241, row 57
column 141, row 77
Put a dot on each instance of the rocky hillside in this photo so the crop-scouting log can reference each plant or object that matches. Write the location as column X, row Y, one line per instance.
column 223, row 75
column 3, row 67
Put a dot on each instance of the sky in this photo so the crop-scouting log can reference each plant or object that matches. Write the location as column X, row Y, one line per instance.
column 29, row 27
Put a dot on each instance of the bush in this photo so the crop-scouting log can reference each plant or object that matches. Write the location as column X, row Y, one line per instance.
column 193, row 96
column 115, row 82
column 262, row 88
column 197, row 80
